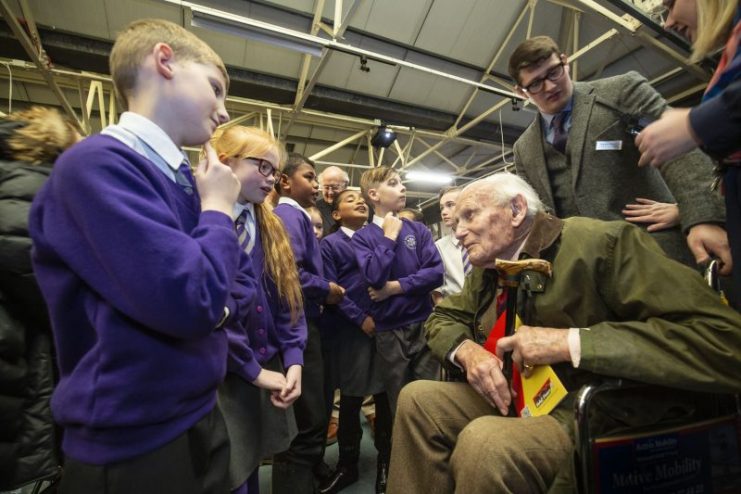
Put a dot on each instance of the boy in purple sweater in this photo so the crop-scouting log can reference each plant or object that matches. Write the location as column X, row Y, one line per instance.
column 399, row 262
column 140, row 267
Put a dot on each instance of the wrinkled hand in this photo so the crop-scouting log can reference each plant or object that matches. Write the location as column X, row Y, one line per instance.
column 534, row 345
column 667, row 138
column 389, row 289
column 484, row 374
column 658, row 215
column 217, row 185
column 706, row 240
column 368, row 326
column 335, row 295
column 391, row 226
column 291, row 391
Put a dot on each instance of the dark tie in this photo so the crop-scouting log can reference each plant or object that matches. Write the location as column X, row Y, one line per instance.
column 243, row 232
column 466, row 262
column 560, row 136
column 184, row 177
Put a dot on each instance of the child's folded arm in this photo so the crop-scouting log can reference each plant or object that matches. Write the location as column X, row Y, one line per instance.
column 431, row 272
column 374, row 262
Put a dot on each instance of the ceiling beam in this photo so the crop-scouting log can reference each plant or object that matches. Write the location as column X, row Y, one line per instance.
column 37, row 54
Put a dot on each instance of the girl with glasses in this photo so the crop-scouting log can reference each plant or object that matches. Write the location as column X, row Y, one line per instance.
column 266, row 354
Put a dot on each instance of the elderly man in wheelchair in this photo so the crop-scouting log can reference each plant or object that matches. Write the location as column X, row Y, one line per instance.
column 614, row 307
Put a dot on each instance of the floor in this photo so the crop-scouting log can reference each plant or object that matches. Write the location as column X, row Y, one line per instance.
column 367, row 466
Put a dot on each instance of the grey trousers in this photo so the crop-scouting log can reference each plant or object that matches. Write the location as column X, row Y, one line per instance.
column 448, row 439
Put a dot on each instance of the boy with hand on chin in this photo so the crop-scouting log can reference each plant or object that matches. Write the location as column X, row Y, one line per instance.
column 141, row 268
column 400, row 263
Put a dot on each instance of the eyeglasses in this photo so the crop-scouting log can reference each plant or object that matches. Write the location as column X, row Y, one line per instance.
column 334, row 188
column 265, row 167
column 553, row 74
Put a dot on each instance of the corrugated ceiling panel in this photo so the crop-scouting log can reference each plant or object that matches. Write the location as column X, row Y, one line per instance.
column 273, row 60
column 121, row 12
column 412, row 87
column 397, row 20
column 443, row 25
column 485, row 29
column 66, row 16
column 230, row 48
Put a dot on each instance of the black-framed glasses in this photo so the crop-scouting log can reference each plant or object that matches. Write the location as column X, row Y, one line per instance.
column 553, row 74
column 265, row 167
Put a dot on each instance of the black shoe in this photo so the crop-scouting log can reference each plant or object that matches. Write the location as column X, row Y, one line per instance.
column 340, row 478
column 322, row 472
column 382, row 473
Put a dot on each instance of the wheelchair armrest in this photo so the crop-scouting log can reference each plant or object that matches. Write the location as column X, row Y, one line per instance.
column 583, row 439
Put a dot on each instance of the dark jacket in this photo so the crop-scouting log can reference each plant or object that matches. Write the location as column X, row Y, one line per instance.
column 27, row 436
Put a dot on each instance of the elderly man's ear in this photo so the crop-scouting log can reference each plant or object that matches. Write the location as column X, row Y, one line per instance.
column 519, row 210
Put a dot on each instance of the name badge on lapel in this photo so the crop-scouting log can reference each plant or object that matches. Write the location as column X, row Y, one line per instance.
column 609, row 146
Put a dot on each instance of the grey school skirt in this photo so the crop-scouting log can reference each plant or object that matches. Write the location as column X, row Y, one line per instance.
column 256, row 428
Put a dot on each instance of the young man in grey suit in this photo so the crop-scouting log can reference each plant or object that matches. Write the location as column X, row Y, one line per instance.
column 580, row 156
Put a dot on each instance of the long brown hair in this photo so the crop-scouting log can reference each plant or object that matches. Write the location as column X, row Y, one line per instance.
column 238, row 142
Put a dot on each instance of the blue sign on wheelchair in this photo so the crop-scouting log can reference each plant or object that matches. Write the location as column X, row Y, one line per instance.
column 699, row 459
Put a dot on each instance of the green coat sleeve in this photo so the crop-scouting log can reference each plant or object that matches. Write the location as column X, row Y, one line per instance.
column 675, row 332
column 453, row 320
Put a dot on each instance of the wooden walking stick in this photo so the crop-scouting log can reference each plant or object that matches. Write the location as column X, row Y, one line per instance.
column 510, row 274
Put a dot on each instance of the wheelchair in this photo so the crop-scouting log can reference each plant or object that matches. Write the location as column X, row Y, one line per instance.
column 690, row 457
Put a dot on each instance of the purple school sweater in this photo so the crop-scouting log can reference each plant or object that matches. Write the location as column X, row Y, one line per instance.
column 136, row 279
column 413, row 260
column 308, row 257
column 267, row 327
column 341, row 266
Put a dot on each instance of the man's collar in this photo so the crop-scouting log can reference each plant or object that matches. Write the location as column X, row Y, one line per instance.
column 544, row 232
column 548, row 117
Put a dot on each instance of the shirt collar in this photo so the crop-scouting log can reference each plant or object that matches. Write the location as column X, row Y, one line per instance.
column 378, row 220
column 239, row 207
column 347, row 231
column 548, row 117
column 153, row 136
column 292, row 202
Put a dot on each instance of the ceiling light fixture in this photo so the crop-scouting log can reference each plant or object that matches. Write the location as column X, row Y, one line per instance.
column 384, row 137
column 429, row 177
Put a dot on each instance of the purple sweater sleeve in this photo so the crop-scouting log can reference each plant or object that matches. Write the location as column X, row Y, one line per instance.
column 292, row 336
column 179, row 282
column 431, row 271
column 346, row 305
column 240, row 357
column 314, row 286
column 374, row 261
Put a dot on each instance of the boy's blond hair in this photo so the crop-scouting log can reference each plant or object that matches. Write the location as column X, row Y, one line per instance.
column 374, row 177
column 137, row 40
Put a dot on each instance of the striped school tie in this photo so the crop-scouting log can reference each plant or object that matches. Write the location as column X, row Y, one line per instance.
column 184, row 177
column 246, row 242
column 466, row 262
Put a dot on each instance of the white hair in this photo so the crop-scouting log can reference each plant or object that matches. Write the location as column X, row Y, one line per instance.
column 335, row 169
column 502, row 187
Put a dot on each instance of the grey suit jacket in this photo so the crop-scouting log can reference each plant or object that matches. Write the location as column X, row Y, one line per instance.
column 604, row 182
